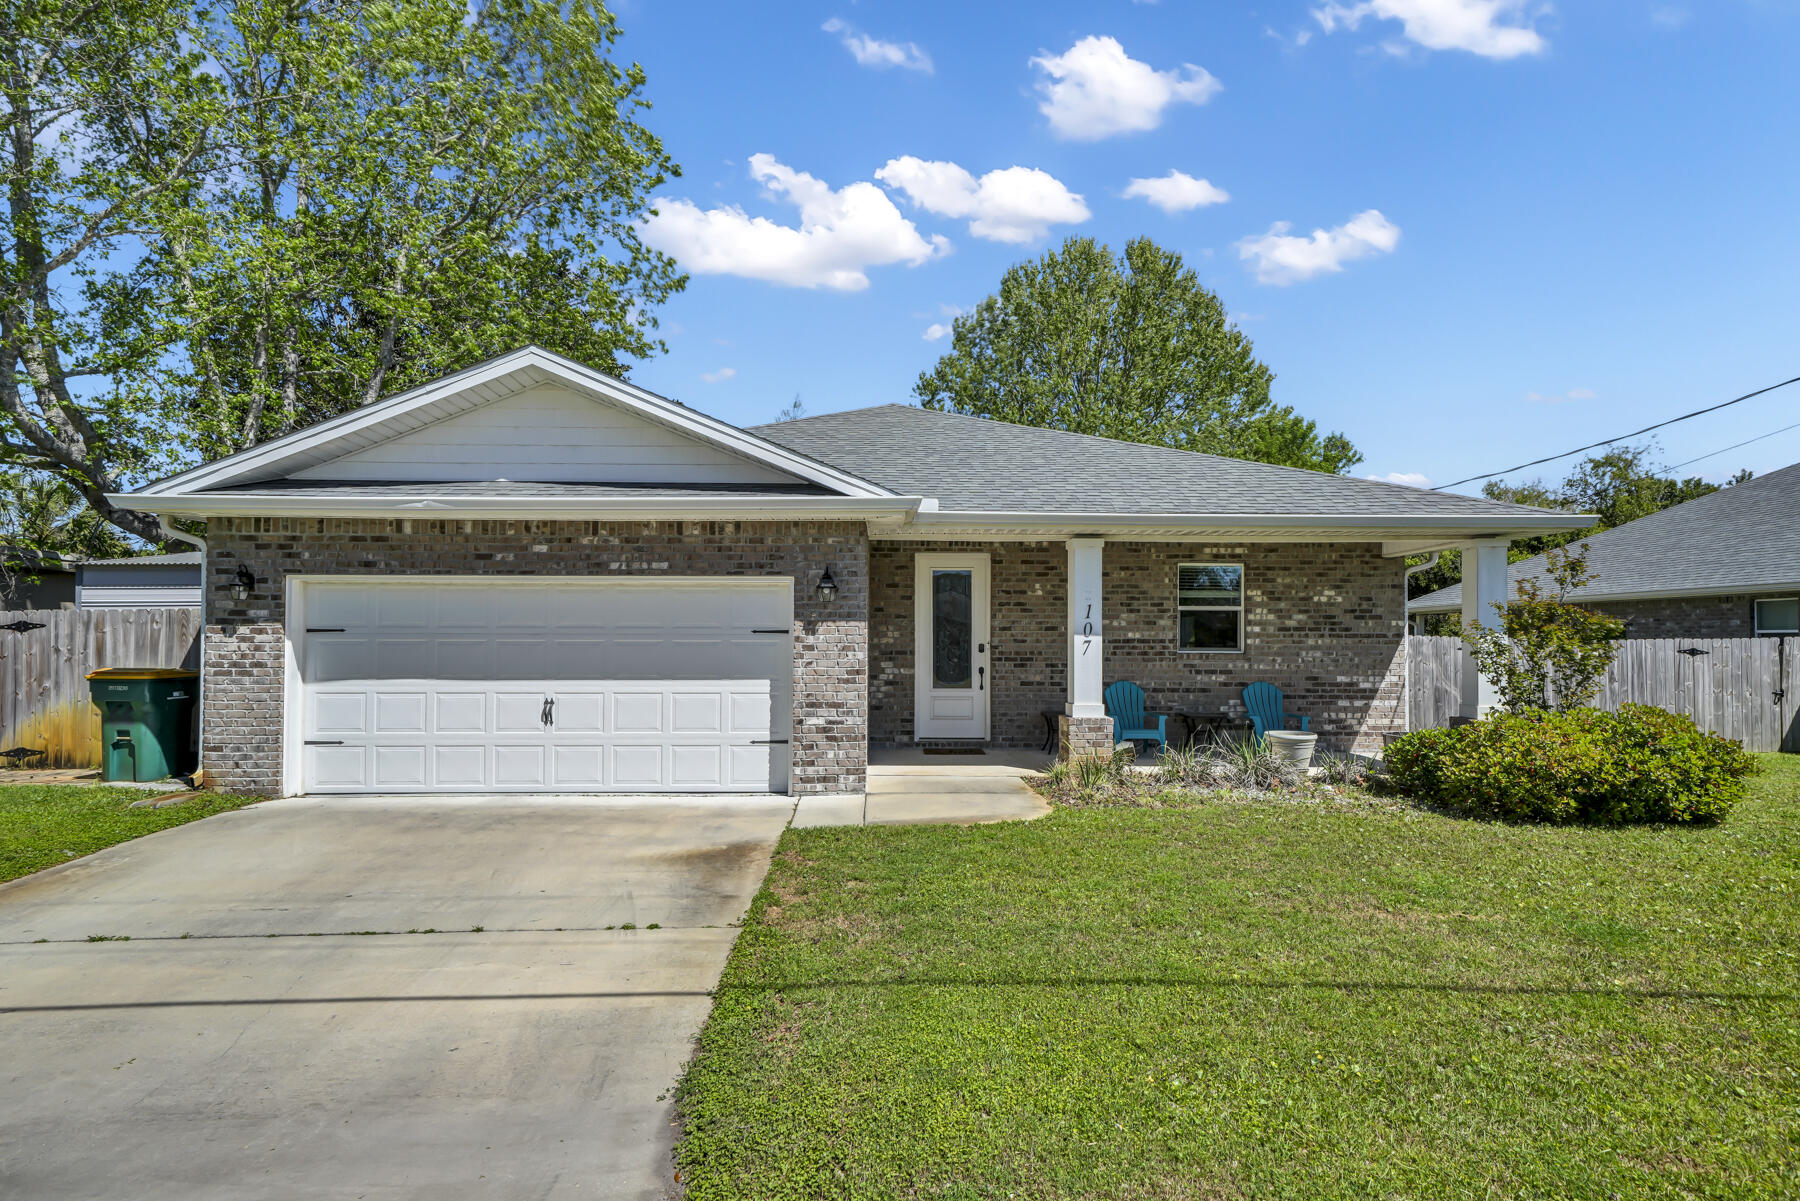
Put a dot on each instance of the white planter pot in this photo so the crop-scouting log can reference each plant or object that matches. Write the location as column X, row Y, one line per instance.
column 1295, row 746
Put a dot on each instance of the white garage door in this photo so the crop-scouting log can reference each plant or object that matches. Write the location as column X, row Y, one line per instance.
column 496, row 685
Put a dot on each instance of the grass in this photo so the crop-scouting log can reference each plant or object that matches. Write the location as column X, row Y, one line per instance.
column 1263, row 999
column 45, row 824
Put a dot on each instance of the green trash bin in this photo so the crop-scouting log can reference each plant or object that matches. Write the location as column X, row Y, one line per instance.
column 145, row 716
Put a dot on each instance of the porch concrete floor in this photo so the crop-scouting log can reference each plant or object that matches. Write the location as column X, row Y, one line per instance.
column 908, row 787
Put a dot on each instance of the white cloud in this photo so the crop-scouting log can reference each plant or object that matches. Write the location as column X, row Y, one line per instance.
column 1412, row 479
column 1016, row 204
column 1669, row 17
column 1095, row 90
column 873, row 52
column 1279, row 257
column 719, row 376
column 1177, row 192
column 1573, row 394
column 1490, row 28
column 946, row 327
column 841, row 234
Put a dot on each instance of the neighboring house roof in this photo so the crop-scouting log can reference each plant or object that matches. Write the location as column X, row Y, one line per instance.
column 533, row 435
column 1741, row 539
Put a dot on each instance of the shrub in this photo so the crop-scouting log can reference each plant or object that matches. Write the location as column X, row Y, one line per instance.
column 1584, row 765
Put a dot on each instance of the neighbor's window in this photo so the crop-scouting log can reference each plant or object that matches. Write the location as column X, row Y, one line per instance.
column 1778, row 615
column 1209, row 603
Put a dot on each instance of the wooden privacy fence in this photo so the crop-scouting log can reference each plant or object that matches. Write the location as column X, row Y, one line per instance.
column 1742, row 688
column 44, row 703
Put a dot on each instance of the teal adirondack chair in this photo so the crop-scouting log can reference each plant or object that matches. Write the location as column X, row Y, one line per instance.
column 1265, row 703
column 1125, row 705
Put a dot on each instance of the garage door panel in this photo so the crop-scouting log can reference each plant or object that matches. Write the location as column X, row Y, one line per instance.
column 580, row 712
column 578, row 767
column 332, row 657
column 696, row 713
column 519, row 712
column 401, row 712
column 400, row 767
column 638, row 767
column 520, row 766
column 637, row 712
column 337, row 713
column 337, row 766
column 465, row 658
column 462, row 767
column 403, row 659
column 459, row 713
column 697, row 767
column 750, row 768
column 750, row 711
column 442, row 686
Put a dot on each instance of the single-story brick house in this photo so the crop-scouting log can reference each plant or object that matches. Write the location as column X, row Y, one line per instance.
column 529, row 576
column 1723, row 565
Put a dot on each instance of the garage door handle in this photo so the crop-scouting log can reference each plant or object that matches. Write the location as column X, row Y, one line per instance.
column 771, row 631
column 768, row 742
column 549, row 713
column 324, row 742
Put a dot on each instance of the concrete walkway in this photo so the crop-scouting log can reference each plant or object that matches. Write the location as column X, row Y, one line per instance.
column 366, row 997
column 910, row 787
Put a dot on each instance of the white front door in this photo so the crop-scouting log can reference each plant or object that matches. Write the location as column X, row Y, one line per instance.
column 951, row 646
column 491, row 684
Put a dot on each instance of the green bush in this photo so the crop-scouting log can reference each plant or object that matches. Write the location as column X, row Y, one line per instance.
column 1584, row 765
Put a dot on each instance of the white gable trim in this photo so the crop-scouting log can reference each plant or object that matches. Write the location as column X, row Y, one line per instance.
column 510, row 372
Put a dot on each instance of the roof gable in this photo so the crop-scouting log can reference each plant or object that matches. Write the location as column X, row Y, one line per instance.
column 529, row 415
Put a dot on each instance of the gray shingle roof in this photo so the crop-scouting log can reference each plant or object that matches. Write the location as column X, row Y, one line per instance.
column 973, row 464
column 1741, row 539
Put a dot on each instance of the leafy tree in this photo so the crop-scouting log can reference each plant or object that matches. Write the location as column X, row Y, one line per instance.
column 1133, row 348
column 231, row 220
column 1548, row 653
column 41, row 517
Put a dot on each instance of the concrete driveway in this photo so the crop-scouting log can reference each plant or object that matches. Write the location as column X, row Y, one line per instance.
column 372, row 998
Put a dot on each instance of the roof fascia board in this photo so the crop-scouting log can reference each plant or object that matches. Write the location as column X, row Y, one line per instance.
column 573, row 508
column 1471, row 526
column 707, row 429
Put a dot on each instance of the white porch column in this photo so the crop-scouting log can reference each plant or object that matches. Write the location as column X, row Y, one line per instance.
column 1483, row 587
column 1086, row 565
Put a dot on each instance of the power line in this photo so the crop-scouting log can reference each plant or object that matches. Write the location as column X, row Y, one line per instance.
column 1622, row 437
column 1747, row 441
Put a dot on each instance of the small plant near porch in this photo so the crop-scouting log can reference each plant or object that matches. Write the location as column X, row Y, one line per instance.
column 1181, row 774
column 1547, row 653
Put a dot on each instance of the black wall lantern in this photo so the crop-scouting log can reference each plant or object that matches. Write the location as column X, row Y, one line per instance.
column 827, row 587
column 243, row 583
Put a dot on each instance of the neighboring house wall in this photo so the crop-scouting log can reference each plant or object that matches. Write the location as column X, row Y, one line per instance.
column 1688, row 617
column 1323, row 622
column 245, row 639
column 112, row 586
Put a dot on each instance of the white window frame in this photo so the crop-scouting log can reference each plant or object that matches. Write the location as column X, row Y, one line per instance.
column 1756, row 615
column 1237, row 608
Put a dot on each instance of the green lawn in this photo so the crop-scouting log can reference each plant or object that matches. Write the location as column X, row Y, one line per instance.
column 45, row 824
column 1263, row 1000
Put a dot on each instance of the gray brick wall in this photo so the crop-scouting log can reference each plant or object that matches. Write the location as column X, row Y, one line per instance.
column 1324, row 622
column 1688, row 617
column 245, row 639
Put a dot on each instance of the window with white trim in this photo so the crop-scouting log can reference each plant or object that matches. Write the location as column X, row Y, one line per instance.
column 1209, row 607
column 1778, row 615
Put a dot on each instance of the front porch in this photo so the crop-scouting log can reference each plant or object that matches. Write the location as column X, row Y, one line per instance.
column 1323, row 621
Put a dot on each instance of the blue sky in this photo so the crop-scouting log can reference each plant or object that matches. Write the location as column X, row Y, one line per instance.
column 1537, row 225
